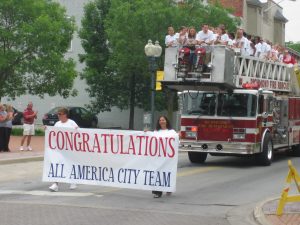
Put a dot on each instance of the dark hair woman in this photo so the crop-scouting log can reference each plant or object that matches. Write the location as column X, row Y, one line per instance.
column 162, row 124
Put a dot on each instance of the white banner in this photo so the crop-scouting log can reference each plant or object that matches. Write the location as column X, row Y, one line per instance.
column 116, row 158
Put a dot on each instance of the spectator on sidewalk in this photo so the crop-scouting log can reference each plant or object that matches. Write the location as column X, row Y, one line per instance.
column 8, row 127
column 3, row 116
column 28, row 127
column 64, row 121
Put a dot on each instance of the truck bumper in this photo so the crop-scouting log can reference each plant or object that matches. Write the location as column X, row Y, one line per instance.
column 236, row 148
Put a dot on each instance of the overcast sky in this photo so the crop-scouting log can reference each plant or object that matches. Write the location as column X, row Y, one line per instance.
column 291, row 10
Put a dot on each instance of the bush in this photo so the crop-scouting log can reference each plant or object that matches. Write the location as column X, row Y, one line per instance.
column 16, row 131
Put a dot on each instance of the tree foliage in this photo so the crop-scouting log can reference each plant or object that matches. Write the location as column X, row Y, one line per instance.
column 94, row 41
column 128, row 24
column 294, row 46
column 34, row 35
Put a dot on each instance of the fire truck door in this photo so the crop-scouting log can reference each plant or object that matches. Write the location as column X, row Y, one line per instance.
column 266, row 110
column 280, row 118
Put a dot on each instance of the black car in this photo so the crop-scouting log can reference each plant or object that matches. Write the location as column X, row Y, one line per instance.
column 18, row 118
column 81, row 116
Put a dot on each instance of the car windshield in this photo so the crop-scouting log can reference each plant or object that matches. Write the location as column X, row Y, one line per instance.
column 220, row 104
column 237, row 104
column 197, row 103
column 54, row 110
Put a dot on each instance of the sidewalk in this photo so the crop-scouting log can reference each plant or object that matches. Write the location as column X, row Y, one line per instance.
column 265, row 213
column 15, row 155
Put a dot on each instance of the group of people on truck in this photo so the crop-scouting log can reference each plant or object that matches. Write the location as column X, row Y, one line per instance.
column 246, row 45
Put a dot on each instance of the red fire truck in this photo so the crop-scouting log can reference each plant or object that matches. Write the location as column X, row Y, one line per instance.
column 237, row 105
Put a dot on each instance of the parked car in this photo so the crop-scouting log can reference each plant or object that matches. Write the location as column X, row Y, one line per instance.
column 81, row 116
column 18, row 119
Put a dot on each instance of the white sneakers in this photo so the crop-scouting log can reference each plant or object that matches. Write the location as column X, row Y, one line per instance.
column 54, row 187
column 24, row 149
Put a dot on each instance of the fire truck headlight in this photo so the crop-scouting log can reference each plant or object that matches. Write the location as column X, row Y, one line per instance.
column 239, row 136
column 190, row 134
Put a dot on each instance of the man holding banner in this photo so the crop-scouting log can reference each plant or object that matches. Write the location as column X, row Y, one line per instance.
column 64, row 121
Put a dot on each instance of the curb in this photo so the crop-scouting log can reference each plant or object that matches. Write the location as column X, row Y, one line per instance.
column 21, row 160
column 258, row 213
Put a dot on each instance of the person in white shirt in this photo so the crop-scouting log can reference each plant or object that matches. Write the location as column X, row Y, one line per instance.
column 265, row 49
column 64, row 121
column 258, row 46
column 273, row 55
column 231, row 40
column 222, row 37
column 214, row 31
column 182, row 36
column 252, row 48
column 163, row 124
column 205, row 36
column 247, row 44
column 240, row 41
column 171, row 38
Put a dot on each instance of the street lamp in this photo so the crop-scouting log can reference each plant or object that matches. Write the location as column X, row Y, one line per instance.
column 152, row 52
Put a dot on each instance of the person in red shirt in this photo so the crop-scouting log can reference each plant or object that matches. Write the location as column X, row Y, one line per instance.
column 287, row 58
column 28, row 126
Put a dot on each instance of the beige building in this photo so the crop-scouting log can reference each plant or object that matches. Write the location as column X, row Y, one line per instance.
column 264, row 19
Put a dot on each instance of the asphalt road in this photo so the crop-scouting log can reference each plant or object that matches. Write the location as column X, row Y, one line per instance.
column 222, row 191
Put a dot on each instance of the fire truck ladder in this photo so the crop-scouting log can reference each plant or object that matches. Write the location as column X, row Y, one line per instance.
column 269, row 75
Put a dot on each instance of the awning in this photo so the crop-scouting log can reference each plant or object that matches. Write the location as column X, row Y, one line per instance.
column 279, row 16
column 255, row 3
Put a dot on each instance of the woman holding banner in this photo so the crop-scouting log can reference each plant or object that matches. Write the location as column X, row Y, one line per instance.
column 64, row 121
column 162, row 124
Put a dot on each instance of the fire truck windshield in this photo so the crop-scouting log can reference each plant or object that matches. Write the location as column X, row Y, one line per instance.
column 220, row 104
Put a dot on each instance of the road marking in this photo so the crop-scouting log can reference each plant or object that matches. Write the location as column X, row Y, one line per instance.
column 49, row 193
column 195, row 171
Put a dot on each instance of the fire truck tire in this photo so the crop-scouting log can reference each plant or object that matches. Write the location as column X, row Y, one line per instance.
column 266, row 156
column 197, row 157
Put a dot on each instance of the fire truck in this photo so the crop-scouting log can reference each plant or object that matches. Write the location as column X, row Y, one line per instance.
column 234, row 105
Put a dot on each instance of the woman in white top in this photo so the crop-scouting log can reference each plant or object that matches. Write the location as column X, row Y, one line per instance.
column 64, row 121
column 162, row 124
column 182, row 36
column 240, row 41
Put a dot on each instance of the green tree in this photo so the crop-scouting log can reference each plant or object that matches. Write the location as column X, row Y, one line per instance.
column 128, row 25
column 94, row 42
column 34, row 35
column 294, row 46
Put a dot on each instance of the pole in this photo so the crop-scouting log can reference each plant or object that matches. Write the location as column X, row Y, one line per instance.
column 153, row 79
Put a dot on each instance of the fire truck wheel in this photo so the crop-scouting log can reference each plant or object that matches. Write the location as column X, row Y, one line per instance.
column 197, row 157
column 265, row 158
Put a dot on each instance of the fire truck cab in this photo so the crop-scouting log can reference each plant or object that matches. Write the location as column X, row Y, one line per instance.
column 238, row 105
